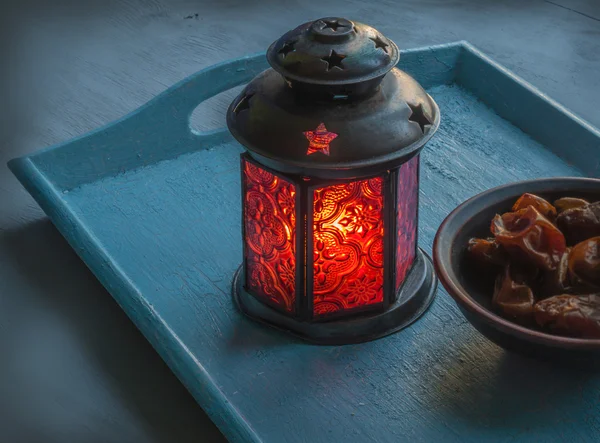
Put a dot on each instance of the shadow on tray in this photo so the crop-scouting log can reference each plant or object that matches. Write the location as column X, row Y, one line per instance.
column 509, row 391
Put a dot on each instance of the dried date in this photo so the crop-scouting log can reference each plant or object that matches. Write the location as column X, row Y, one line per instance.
column 486, row 251
column 556, row 281
column 543, row 206
column 572, row 315
column 579, row 224
column 562, row 204
column 530, row 237
column 584, row 264
column 512, row 296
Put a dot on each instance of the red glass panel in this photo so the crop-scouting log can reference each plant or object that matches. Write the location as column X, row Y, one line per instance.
column 348, row 246
column 269, row 221
column 408, row 201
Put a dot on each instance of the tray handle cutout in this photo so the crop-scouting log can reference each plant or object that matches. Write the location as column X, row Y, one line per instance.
column 179, row 102
column 210, row 114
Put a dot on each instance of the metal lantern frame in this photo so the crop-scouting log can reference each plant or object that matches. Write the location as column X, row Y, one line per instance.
column 274, row 144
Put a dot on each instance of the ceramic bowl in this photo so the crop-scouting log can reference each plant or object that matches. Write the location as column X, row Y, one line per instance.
column 472, row 290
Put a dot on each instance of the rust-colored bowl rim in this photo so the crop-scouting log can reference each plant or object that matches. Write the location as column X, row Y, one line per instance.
column 459, row 218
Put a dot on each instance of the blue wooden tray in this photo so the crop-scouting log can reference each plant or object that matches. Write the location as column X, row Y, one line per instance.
column 154, row 210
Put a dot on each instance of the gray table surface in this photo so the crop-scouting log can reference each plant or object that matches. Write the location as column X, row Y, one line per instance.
column 74, row 368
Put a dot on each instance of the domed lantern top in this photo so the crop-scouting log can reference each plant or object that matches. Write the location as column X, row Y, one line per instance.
column 333, row 105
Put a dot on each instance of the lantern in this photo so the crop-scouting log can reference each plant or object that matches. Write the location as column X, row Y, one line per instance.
column 330, row 186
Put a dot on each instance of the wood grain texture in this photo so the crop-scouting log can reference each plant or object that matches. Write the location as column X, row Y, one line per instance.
column 76, row 361
column 164, row 239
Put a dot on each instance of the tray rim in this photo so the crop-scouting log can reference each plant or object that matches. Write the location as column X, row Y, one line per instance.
column 184, row 96
column 153, row 326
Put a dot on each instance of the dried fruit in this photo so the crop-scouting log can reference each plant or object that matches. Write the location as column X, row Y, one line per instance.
column 487, row 251
column 584, row 264
column 543, row 206
column 580, row 223
column 530, row 237
column 562, row 204
column 512, row 296
column 573, row 315
column 550, row 272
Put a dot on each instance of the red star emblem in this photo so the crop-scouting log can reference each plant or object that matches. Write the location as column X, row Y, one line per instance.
column 319, row 139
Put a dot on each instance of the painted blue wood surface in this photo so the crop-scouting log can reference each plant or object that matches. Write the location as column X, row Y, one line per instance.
column 154, row 212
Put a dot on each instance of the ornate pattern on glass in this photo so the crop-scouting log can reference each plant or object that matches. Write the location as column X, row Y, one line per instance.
column 348, row 246
column 406, row 221
column 269, row 222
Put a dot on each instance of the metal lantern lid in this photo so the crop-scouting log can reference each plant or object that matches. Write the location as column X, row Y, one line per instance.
column 333, row 51
column 333, row 104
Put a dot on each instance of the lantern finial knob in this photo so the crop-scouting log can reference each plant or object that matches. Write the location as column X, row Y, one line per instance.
column 332, row 30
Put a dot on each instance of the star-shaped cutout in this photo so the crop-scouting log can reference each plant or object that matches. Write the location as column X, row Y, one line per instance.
column 319, row 139
column 334, row 60
column 334, row 25
column 379, row 43
column 287, row 48
column 243, row 104
column 418, row 116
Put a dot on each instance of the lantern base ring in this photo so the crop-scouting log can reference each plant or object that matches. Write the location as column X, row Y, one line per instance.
column 413, row 299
